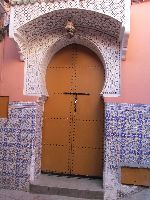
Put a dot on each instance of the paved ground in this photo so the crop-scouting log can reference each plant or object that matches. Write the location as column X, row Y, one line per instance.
column 19, row 195
column 144, row 195
column 70, row 183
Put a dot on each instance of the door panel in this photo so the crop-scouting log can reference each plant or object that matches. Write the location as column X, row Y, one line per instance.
column 87, row 161
column 55, row 158
column 58, row 106
column 60, row 128
column 59, row 80
column 92, row 85
column 135, row 176
column 87, row 134
column 90, row 108
column 4, row 101
column 63, row 58
column 86, row 58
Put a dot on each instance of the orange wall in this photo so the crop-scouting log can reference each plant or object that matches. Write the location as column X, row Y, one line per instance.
column 135, row 71
column 11, row 72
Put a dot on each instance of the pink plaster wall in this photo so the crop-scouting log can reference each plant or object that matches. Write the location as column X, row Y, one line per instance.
column 11, row 72
column 135, row 71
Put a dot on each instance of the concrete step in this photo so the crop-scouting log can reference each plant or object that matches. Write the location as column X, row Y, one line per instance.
column 20, row 195
column 142, row 195
column 68, row 186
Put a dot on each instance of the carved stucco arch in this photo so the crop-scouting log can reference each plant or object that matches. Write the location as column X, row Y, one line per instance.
column 112, row 9
column 37, row 59
column 37, row 39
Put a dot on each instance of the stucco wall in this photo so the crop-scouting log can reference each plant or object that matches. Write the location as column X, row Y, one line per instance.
column 135, row 71
column 11, row 72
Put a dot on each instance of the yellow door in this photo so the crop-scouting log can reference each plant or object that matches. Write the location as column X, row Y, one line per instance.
column 74, row 114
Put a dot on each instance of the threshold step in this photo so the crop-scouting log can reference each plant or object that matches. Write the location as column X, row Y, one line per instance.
column 68, row 186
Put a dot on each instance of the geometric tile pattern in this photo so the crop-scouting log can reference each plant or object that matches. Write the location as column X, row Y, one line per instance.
column 130, row 127
column 127, row 142
column 36, row 161
column 17, row 144
column 127, row 132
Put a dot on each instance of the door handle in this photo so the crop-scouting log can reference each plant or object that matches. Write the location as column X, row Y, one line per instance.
column 75, row 103
column 76, row 97
column 76, row 93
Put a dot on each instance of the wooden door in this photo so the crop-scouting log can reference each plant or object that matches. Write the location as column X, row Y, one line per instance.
column 74, row 114
column 4, row 101
column 135, row 176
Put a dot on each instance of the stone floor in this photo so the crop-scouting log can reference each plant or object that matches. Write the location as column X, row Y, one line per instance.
column 69, row 182
column 143, row 195
column 70, row 186
column 19, row 195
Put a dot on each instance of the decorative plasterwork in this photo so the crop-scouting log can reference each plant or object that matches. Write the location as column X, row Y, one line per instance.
column 116, row 12
column 2, row 9
column 47, row 34
column 26, row 13
column 125, row 31
column 57, row 19
column 38, row 56
column 38, row 27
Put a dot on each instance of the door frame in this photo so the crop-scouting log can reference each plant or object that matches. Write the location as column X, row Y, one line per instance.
column 101, row 96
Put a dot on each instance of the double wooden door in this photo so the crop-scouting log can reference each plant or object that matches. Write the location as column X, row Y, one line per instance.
column 72, row 140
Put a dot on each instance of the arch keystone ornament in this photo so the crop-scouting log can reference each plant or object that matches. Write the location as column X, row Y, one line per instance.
column 70, row 28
